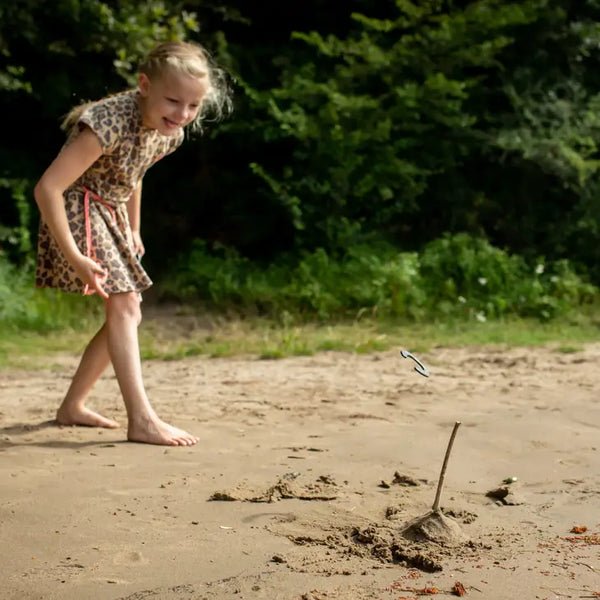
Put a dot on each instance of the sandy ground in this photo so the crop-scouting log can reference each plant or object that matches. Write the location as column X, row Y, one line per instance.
column 307, row 472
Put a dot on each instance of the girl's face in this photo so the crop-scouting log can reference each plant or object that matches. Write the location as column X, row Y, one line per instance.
column 171, row 100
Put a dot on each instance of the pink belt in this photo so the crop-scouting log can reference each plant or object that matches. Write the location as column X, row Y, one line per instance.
column 88, row 227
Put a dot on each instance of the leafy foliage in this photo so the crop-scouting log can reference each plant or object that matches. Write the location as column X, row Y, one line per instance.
column 442, row 117
column 24, row 308
column 456, row 276
column 15, row 241
column 488, row 282
column 380, row 114
column 404, row 121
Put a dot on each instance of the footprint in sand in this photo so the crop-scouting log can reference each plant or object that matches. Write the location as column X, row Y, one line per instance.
column 131, row 558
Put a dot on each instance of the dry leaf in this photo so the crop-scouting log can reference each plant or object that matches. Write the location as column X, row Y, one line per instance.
column 459, row 589
column 579, row 529
column 427, row 590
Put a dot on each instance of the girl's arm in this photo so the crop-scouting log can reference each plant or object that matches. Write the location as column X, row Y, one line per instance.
column 134, row 211
column 70, row 164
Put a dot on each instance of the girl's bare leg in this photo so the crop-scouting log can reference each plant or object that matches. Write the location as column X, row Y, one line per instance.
column 122, row 319
column 94, row 361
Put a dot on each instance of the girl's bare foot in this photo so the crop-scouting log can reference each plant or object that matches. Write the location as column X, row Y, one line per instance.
column 83, row 416
column 155, row 431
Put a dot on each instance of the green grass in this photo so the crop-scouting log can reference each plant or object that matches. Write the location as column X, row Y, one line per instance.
column 182, row 334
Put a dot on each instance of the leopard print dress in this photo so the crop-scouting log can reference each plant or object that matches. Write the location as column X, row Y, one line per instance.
column 99, row 222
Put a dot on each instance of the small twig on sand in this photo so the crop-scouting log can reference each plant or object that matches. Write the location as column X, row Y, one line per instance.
column 555, row 592
column 436, row 503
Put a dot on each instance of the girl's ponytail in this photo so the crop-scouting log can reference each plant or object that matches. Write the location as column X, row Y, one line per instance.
column 73, row 116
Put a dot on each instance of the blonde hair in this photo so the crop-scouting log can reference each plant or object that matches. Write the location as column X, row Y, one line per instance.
column 187, row 58
column 193, row 60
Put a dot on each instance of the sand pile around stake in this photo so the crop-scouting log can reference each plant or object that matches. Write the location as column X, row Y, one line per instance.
column 435, row 527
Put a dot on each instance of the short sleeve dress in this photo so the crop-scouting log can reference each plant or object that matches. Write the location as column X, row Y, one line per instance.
column 96, row 203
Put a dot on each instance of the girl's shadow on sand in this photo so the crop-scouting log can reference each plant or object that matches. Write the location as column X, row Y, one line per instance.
column 18, row 429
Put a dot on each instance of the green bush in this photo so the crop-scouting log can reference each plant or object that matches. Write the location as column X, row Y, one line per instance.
column 15, row 293
column 455, row 276
column 24, row 307
column 466, row 275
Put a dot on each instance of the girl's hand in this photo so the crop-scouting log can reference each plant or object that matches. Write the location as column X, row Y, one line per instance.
column 138, row 246
column 91, row 273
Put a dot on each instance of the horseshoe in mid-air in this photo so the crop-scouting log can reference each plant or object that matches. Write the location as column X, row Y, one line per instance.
column 420, row 368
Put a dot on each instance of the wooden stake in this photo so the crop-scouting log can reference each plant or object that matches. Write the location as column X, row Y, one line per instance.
column 436, row 504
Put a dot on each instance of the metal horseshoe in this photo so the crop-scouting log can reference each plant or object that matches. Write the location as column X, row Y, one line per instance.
column 420, row 368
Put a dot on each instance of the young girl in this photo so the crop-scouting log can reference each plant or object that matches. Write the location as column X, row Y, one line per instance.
column 89, row 238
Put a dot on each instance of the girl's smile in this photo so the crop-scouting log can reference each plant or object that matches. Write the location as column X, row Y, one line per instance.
column 170, row 101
